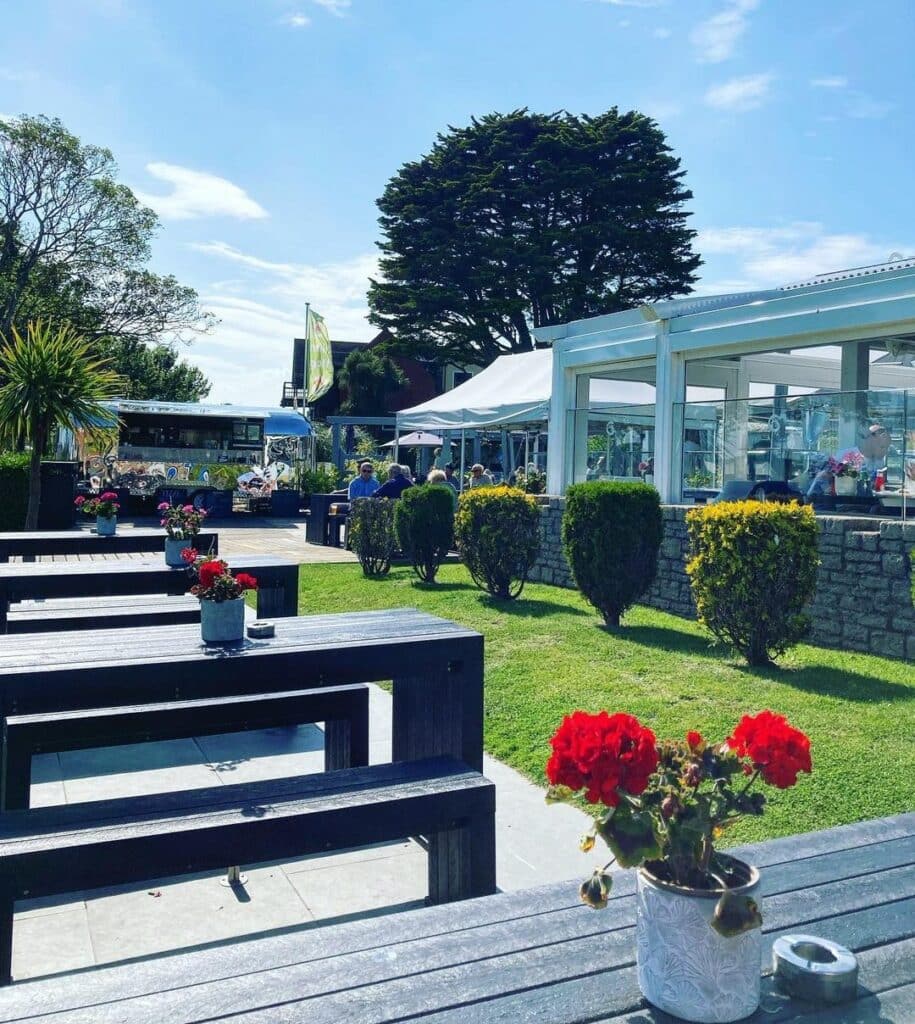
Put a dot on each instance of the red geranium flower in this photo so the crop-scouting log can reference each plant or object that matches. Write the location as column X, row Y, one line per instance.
column 778, row 750
column 245, row 581
column 210, row 571
column 602, row 754
column 694, row 740
column 189, row 555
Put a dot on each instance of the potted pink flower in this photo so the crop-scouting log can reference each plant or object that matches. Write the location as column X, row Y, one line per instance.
column 182, row 524
column 105, row 509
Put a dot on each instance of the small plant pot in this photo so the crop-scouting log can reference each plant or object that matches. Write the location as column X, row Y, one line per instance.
column 106, row 527
column 684, row 966
column 222, row 622
column 173, row 549
column 846, row 486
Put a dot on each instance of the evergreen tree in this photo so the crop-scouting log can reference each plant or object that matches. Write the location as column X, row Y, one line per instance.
column 522, row 220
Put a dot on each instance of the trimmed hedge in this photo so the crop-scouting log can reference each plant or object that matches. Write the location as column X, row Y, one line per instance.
column 753, row 568
column 497, row 530
column 370, row 529
column 14, row 485
column 611, row 534
column 424, row 526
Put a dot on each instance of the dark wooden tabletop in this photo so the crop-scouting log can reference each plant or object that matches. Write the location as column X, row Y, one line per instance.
column 436, row 667
column 131, row 539
column 21, row 574
column 532, row 956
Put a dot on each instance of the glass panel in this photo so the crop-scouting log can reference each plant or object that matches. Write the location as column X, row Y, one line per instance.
column 848, row 452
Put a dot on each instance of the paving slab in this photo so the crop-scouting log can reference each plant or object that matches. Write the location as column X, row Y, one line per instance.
column 534, row 844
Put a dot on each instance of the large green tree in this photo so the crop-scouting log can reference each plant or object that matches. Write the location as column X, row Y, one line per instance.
column 521, row 220
column 74, row 244
column 367, row 380
column 155, row 372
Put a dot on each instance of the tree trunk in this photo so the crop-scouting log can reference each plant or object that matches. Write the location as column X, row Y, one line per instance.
column 38, row 442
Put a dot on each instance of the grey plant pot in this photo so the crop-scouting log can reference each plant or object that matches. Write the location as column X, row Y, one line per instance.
column 173, row 549
column 106, row 527
column 222, row 622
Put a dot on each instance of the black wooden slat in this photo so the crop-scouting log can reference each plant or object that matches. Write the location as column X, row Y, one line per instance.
column 84, row 542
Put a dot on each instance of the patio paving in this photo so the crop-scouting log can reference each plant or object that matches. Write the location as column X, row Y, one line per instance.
column 534, row 844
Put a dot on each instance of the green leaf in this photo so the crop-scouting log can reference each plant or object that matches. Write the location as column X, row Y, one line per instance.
column 630, row 835
column 596, row 890
column 735, row 914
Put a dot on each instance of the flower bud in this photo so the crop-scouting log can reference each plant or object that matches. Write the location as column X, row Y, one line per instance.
column 669, row 806
column 586, row 843
column 595, row 890
column 693, row 774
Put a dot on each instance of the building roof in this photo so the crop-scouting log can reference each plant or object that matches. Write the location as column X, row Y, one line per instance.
column 277, row 422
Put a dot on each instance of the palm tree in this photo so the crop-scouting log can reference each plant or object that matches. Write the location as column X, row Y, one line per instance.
column 49, row 378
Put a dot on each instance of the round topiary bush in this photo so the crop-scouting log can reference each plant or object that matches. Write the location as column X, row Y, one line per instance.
column 370, row 530
column 611, row 534
column 753, row 569
column 497, row 530
column 424, row 526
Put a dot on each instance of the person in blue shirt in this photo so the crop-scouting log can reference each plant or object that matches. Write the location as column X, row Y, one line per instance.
column 396, row 483
column 364, row 485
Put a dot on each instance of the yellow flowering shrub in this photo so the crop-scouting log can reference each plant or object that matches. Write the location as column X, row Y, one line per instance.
column 753, row 568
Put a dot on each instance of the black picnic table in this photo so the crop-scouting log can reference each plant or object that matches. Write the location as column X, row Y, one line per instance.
column 277, row 577
column 436, row 667
column 536, row 955
column 130, row 540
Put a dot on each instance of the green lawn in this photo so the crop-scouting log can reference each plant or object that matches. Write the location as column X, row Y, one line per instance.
column 548, row 653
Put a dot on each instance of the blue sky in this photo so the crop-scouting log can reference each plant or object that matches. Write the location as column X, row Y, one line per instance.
column 262, row 131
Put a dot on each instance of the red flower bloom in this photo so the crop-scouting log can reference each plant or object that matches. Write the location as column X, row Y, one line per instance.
column 210, row 571
column 694, row 740
column 778, row 750
column 189, row 555
column 602, row 754
column 80, row 500
column 109, row 496
column 245, row 581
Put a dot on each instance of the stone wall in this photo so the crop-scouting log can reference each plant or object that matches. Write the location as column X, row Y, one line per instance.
column 863, row 600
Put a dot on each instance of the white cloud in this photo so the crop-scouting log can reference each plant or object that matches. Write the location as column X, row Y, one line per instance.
column 745, row 93
column 198, row 194
column 262, row 308
column 829, row 82
column 716, row 38
column 768, row 257
column 15, row 75
column 295, row 20
column 866, row 107
column 336, row 7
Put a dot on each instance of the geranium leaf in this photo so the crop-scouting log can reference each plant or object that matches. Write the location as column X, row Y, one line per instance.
column 630, row 835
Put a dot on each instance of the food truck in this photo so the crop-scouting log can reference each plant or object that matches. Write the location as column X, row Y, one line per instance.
column 189, row 445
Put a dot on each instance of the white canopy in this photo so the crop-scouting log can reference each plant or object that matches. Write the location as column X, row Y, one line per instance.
column 511, row 391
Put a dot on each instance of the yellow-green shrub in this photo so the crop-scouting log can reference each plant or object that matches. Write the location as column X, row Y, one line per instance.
column 497, row 530
column 753, row 568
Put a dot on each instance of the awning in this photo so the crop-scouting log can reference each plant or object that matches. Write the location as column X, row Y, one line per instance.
column 277, row 422
column 418, row 439
column 511, row 391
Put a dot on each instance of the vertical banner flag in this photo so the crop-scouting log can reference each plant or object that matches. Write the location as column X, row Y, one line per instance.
column 318, row 359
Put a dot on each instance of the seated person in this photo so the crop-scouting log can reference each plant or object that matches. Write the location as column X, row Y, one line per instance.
column 449, row 478
column 868, row 457
column 436, row 476
column 364, row 485
column 479, row 477
column 395, row 485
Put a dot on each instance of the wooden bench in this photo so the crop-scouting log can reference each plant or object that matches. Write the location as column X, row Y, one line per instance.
column 54, row 850
column 344, row 709
column 67, row 614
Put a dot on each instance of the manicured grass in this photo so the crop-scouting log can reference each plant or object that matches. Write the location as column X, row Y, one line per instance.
column 548, row 653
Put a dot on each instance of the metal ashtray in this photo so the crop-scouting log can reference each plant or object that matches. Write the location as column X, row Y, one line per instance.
column 261, row 628
column 815, row 969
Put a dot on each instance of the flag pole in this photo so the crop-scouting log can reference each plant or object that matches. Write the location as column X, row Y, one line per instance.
column 306, row 360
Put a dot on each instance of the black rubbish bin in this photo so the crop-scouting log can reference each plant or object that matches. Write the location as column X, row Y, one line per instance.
column 58, row 490
column 285, row 503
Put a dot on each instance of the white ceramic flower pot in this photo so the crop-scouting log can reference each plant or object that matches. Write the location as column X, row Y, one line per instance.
column 684, row 966
column 222, row 621
column 846, row 486
column 173, row 549
column 106, row 527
